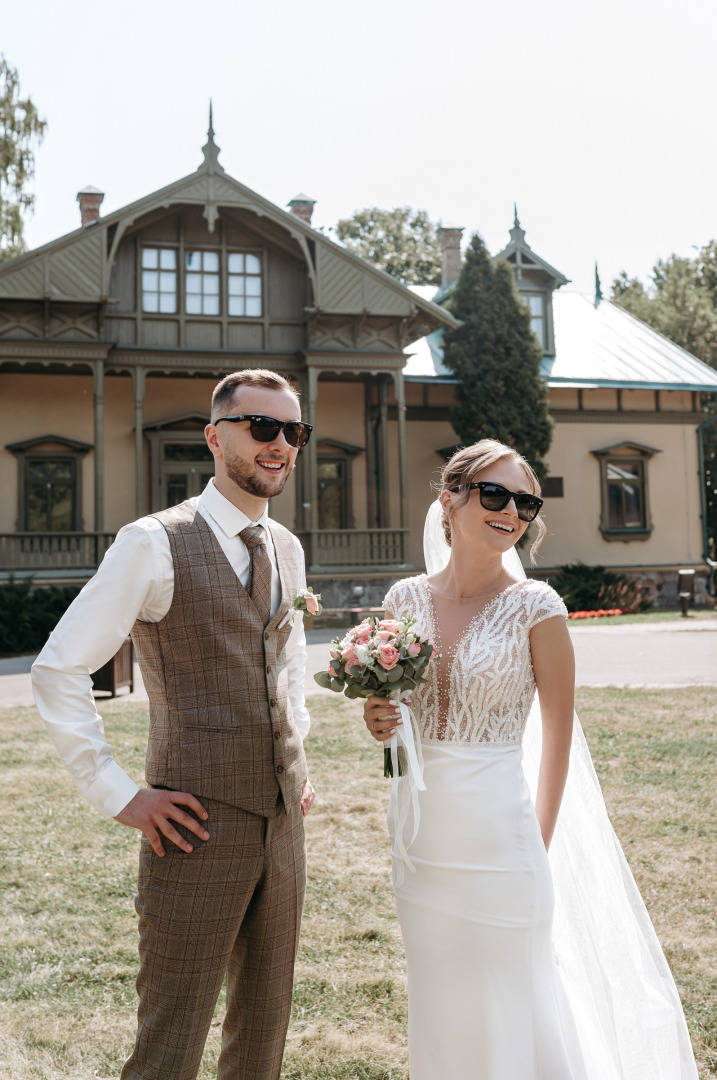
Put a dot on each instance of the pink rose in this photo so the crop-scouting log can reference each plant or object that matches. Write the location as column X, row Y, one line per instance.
column 312, row 604
column 385, row 635
column 414, row 649
column 390, row 624
column 388, row 657
column 363, row 638
column 348, row 654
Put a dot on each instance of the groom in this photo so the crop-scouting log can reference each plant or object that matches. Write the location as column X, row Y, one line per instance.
column 206, row 589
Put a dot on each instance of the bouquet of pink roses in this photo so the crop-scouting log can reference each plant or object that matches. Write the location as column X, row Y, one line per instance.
column 379, row 658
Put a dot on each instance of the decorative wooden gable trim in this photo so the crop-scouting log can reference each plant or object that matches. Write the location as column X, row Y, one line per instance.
column 77, row 266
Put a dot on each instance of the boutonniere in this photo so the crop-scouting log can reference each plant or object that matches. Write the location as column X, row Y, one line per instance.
column 308, row 601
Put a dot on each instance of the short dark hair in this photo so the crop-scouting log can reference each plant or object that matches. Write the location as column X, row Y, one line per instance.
column 261, row 377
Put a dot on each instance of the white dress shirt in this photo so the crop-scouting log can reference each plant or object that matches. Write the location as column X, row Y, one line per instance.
column 135, row 581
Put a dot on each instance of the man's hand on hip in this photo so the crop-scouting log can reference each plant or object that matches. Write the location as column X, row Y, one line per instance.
column 307, row 797
column 153, row 810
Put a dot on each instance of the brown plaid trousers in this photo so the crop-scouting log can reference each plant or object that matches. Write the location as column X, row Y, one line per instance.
column 221, row 728
column 233, row 905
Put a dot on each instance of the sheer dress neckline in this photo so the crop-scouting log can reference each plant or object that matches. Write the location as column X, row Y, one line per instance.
column 444, row 664
column 488, row 676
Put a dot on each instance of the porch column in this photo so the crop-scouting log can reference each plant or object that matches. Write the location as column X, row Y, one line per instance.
column 138, row 386
column 301, row 497
column 311, row 494
column 99, row 400
column 371, row 509
column 402, row 462
column 384, row 521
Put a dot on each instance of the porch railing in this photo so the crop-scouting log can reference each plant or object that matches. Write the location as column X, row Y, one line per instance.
column 355, row 549
column 327, row 549
column 37, row 552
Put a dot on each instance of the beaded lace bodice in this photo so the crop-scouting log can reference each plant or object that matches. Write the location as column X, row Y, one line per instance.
column 487, row 689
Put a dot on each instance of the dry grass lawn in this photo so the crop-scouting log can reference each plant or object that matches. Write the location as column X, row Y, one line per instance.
column 68, row 953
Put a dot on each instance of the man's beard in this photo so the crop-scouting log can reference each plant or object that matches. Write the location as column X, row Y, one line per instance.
column 243, row 475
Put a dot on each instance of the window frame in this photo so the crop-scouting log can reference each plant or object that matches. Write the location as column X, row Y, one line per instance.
column 49, row 448
column 229, row 274
column 159, row 248
column 219, row 274
column 625, row 454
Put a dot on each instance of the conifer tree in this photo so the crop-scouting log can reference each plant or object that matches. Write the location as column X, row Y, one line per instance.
column 496, row 358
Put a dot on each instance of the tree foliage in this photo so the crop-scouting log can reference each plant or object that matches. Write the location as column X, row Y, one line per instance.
column 680, row 300
column 20, row 129
column 403, row 242
column 496, row 358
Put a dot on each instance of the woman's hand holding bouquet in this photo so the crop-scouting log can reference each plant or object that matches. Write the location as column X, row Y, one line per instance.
column 379, row 658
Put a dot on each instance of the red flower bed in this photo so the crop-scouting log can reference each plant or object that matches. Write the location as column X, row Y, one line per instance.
column 595, row 614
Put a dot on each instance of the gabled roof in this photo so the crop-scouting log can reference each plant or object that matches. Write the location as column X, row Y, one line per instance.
column 526, row 257
column 77, row 266
column 594, row 346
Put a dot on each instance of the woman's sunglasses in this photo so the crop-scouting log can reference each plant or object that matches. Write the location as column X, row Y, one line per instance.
column 266, row 428
column 497, row 497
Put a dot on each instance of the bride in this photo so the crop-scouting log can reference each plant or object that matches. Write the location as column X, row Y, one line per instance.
column 520, row 966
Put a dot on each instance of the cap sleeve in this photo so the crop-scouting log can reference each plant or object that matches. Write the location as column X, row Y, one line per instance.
column 546, row 604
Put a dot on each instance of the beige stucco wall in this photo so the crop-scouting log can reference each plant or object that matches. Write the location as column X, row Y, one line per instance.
column 574, row 520
column 32, row 406
column 39, row 405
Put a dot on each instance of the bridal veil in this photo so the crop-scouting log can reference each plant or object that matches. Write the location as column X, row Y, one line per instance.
column 624, row 999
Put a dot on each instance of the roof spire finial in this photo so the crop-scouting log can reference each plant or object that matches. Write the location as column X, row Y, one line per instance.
column 517, row 233
column 210, row 148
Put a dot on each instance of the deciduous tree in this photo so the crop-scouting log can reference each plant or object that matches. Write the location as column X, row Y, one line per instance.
column 403, row 242
column 20, row 130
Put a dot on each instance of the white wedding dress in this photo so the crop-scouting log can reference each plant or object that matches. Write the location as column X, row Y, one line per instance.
column 497, row 988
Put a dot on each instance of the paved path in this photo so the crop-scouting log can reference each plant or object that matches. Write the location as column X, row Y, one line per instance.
column 665, row 654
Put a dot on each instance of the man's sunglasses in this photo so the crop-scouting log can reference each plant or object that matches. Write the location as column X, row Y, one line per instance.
column 497, row 497
column 266, row 428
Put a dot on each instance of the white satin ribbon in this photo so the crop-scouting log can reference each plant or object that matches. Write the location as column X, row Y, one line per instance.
column 404, row 791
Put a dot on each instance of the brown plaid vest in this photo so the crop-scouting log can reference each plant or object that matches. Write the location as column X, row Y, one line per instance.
column 220, row 720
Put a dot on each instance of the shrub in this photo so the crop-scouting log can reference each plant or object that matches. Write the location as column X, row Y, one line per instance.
column 587, row 588
column 27, row 614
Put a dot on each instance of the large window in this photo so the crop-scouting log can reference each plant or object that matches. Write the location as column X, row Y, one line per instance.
column 537, row 317
column 244, row 285
column 50, row 494
column 49, row 488
column 213, row 284
column 625, row 511
column 333, row 491
column 202, row 283
column 187, row 468
column 159, row 280
column 625, row 494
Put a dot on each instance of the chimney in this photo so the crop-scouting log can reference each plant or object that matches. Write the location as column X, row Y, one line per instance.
column 90, row 200
column 303, row 206
column 450, row 238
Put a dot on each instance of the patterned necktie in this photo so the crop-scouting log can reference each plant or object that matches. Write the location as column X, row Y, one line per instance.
column 259, row 583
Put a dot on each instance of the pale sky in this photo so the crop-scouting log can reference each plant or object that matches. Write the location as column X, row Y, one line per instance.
column 597, row 118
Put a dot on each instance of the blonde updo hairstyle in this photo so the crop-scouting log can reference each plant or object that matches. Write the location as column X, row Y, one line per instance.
column 462, row 469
